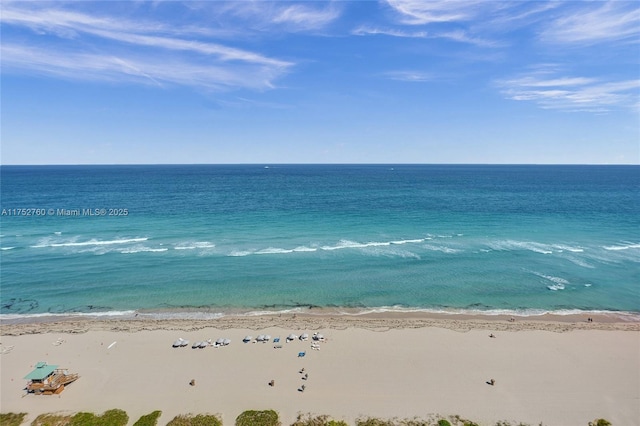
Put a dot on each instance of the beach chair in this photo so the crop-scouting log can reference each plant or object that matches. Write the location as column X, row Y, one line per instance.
column 301, row 354
column 276, row 340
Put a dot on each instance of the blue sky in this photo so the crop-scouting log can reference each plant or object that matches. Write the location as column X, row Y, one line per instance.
column 390, row 81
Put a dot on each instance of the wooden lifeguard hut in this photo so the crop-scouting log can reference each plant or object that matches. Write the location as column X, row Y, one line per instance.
column 48, row 379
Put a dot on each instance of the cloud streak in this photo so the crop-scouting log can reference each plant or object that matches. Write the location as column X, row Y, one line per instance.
column 420, row 12
column 156, row 57
column 303, row 17
column 281, row 16
column 460, row 36
column 572, row 93
column 145, row 69
column 611, row 21
column 409, row 76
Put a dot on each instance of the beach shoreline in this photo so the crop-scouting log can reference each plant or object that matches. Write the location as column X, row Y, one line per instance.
column 555, row 370
column 325, row 319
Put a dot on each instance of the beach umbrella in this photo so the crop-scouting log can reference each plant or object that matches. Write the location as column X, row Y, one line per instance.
column 292, row 337
column 247, row 339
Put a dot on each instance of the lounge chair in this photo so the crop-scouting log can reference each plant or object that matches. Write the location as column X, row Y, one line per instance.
column 301, row 354
column 180, row 343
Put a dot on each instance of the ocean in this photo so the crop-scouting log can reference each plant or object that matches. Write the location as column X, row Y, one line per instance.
column 203, row 241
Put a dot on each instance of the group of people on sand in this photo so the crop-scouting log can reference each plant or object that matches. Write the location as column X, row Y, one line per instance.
column 492, row 382
column 305, row 376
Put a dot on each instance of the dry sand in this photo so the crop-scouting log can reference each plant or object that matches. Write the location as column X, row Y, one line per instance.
column 558, row 371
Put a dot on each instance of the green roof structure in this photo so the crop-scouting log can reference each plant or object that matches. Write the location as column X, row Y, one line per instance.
column 41, row 372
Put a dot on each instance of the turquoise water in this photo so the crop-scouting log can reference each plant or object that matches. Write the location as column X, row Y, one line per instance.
column 209, row 240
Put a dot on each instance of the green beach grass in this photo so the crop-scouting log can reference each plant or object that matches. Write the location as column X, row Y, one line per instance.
column 150, row 419
column 118, row 417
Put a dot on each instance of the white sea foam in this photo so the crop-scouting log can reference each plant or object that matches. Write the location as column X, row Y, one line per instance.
column 142, row 249
column 625, row 246
column 273, row 250
column 344, row 244
column 443, row 249
column 580, row 262
column 274, row 312
column 521, row 245
column 556, row 287
column 559, row 283
column 204, row 315
column 7, row 248
column 195, row 245
column 562, row 247
column 92, row 242
column 415, row 241
column 45, row 315
column 303, row 249
column 490, row 312
column 340, row 245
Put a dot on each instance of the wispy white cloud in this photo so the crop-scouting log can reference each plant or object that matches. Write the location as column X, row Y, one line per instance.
column 365, row 30
column 462, row 36
column 453, row 35
column 609, row 21
column 409, row 76
column 156, row 53
column 468, row 22
column 304, row 17
column 420, row 12
column 145, row 69
column 572, row 93
column 282, row 16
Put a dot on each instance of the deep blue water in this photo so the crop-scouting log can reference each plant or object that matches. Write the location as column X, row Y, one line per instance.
column 186, row 240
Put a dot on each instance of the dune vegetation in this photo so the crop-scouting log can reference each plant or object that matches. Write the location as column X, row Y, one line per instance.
column 118, row 417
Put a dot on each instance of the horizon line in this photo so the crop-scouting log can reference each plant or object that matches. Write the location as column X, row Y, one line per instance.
column 266, row 164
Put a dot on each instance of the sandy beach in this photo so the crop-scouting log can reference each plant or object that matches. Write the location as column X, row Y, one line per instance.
column 556, row 371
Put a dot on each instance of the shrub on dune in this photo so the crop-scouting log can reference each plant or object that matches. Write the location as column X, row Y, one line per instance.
column 258, row 418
